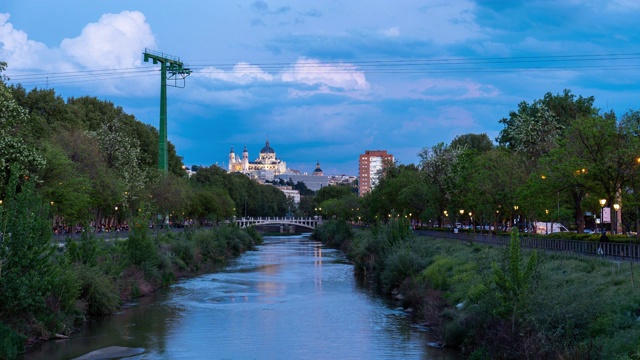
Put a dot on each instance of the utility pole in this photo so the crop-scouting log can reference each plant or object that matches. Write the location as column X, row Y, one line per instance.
column 177, row 74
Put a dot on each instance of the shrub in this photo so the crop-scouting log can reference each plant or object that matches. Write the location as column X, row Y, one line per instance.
column 140, row 247
column 333, row 233
column 438, row 273
column 400, row 264
column 11, row 343
column 98, row 290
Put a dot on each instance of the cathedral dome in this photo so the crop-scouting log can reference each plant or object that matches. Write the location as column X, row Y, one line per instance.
column 267, row 149
column 318, row 171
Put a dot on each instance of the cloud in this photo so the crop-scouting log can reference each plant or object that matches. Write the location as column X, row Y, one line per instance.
column 115, row 41
column 242, row 73
column 325, row 77
column 262, row 7
column 16, row 49
column 306, row 77
column 391, row 32
column 444, row 89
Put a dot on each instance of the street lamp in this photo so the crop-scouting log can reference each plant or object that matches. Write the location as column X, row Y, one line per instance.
column 603, row 202
column 461, row 214
column 546, row 223
column 515, row 210
column 616, row 207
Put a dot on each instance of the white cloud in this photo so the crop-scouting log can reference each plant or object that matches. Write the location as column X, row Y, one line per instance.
column 16, row 49
column 242, row 73
column 442, row 90
column 306, row 77
column 391, row 32
column 327, row 77
column 115, row 41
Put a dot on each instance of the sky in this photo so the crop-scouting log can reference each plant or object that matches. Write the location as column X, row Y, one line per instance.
column 324, row 81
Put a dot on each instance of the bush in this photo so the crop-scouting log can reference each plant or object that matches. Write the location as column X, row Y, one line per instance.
column 11, row 343
column 140, row 247
column 438, row 273
column 400, row 264
column 98, row 291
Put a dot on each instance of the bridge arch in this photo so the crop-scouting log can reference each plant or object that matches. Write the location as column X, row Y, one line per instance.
column 308, row 222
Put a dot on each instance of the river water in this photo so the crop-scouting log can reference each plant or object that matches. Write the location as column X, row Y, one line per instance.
column 292, row 298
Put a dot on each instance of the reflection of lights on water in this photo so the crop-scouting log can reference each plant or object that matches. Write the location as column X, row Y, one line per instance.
column 317, row 255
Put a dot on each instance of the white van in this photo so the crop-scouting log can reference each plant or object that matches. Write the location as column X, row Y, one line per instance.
column 548, row 227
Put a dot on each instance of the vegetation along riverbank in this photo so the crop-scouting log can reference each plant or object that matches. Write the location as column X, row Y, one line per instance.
column 497, row 302
column 46, row 293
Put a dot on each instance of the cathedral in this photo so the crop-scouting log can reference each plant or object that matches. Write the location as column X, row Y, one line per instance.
column 266, row 162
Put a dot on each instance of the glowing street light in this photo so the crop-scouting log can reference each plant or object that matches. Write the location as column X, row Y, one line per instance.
column 616, row 207
column 603, row 202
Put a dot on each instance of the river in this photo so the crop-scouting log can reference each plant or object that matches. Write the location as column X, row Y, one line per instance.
column 292, row 298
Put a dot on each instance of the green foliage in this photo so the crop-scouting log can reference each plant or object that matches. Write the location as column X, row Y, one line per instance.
column 512, row 281
column 11, row 343
column 99, row 292
column 140, row 247
column 438, row 274
column 84, row 250
column 401, row 263
column 333, row 233
column 25, row 250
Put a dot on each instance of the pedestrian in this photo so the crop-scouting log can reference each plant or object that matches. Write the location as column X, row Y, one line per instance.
column 603, row 239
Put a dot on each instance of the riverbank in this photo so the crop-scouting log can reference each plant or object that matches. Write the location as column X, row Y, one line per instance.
column 496, row 302
column 95, row 277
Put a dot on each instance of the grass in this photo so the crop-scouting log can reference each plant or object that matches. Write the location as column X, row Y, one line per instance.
column 573, row 308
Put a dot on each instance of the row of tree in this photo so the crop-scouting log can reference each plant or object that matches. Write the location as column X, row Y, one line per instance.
column 554, row 160
column 94, row 163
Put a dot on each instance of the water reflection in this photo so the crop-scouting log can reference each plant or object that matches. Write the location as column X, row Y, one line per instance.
column 290, row 299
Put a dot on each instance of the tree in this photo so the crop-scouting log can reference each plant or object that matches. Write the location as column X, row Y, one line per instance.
column 26, row 270
column 478, row 143
column 331, row 192
column 493, row 185
column 533, row 129
column 513, row 282
column 440, row 168
column 610, row 149
column 67, row 190
column 14, row 151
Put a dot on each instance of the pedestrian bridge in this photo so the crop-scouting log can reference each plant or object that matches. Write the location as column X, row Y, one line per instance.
column 308, row 222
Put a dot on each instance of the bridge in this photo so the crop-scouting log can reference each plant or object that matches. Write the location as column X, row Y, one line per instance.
column 309, row 222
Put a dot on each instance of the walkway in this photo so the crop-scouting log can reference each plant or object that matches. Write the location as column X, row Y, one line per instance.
column 611, row 250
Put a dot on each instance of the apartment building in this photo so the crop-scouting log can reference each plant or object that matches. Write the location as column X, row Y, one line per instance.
column 368, row 166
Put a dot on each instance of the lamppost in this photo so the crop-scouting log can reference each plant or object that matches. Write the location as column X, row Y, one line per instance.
column 616, row 207
column 515, row 214
column 461, row 214
column 603, row 202
column 471, row 224
column 546, row 223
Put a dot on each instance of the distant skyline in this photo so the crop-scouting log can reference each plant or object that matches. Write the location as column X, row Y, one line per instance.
column 326, row 81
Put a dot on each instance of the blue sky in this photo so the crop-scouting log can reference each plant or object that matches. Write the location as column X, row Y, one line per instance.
column 326, row 80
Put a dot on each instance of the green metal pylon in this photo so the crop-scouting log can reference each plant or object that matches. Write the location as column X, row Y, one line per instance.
column 177, row 72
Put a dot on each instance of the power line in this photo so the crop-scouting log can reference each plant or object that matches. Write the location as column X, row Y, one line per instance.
column 518, row 64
